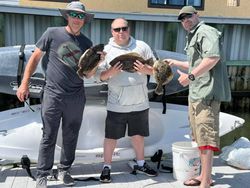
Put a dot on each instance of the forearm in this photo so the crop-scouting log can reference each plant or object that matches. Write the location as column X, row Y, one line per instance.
column 143, row 68
column 112, row 71
column 147, row 70
column 29, row 70
column 105, row 75
column 206, row 65
column 180, row 64
column 23, row 90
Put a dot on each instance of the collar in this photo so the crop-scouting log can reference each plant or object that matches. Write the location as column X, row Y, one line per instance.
column 131, row 42
column 196, row 27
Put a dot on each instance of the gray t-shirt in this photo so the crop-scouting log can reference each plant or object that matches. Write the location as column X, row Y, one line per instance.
column 63, row 51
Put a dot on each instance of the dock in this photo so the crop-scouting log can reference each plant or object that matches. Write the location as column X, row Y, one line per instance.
column 223, row 175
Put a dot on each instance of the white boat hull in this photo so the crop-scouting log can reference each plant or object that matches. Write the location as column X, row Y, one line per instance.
column 20, row 132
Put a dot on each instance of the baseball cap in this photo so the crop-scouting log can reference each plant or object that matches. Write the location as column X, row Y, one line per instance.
column 186, row 10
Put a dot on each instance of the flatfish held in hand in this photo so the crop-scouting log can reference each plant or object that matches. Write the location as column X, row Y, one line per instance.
column 89, row 60
column 163, row 74
column 127, row 61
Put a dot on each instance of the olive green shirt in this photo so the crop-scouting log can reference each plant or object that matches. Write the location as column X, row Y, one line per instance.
column 204, row 42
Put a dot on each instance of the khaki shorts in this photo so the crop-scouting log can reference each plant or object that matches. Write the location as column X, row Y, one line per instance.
column 204, row 122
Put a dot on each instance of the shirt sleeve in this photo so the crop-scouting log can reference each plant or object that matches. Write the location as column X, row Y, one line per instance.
column 43, row 42
column 209, row 42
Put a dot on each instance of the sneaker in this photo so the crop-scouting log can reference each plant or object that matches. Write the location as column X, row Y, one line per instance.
column 66, row 178
column 41, row 182
column 146, row 169
column 105, row 176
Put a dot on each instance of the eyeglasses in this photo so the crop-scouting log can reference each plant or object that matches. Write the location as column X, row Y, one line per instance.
column 119, row 29
column 186, row 16
column 80, row 16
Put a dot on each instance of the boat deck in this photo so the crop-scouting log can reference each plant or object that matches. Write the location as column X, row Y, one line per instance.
column 223, row 175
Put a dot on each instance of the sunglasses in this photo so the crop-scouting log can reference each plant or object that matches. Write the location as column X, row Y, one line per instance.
column 119, row 29
column 80, row 16
column 186, row 16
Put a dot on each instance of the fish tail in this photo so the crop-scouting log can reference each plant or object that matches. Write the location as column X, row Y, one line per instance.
column 159, row 89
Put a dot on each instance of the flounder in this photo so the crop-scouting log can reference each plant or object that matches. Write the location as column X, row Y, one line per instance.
column 89, row 60
column 127, row 61
column 163, row 74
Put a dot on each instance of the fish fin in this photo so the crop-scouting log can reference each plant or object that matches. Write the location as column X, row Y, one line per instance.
column 159, row 89
column 132, row 54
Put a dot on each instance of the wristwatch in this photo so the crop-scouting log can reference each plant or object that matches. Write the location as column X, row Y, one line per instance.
column 191, row 77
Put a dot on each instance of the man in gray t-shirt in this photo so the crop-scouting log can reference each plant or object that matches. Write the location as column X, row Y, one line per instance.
column 63, row 98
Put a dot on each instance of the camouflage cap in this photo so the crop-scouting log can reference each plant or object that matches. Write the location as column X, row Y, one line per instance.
column 186, row 10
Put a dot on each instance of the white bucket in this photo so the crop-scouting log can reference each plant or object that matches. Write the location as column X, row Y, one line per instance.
column 186, row 160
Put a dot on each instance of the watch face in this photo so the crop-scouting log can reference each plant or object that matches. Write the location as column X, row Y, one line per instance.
column 191, row 77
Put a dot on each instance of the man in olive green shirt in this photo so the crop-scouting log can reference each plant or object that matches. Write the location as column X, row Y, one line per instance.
column 208, row 86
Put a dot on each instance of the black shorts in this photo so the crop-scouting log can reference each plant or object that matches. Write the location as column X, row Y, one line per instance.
column 116, row 124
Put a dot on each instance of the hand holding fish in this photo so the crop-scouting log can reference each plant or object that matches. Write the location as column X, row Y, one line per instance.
column 181, row 64
column 89, row 61
column 168, row 61
column 128, row 61
column 102, row 56
column 183, row 79
column 171, row 62
column 93, row 71
column 143, row 68
column 112, row 71
column 117, row 68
